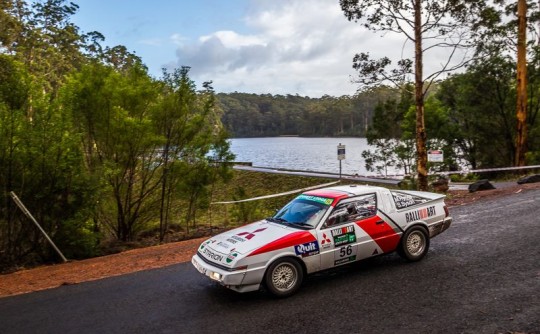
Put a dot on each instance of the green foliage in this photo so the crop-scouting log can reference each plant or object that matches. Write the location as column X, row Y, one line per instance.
column 42, row 163
column 481, row 105
column 244, row 212
column 394, row 146
column 250, row 115
column 81, row 131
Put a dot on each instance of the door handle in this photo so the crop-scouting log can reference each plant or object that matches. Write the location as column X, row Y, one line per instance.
column 379, row 222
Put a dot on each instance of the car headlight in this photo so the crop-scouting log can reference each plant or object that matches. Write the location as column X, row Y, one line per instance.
column 215, row 276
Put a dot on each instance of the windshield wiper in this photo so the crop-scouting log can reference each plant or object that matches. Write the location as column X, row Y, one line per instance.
column 288, row 223
column 301, row 224
column 276, row 220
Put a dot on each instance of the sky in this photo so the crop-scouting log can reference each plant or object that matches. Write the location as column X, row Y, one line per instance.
column 302, row 47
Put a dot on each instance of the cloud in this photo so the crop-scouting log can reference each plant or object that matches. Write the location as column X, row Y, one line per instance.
column 151, row 42
column 296, row 47
column 177, row 39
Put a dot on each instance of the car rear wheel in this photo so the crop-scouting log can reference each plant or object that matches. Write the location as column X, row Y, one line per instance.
column 284, row 277
column 414, row 244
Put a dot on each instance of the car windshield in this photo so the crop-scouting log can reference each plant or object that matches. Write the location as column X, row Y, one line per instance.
column 303, row 212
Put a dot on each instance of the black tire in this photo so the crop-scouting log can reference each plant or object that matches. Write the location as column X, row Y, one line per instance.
column 284, row 277
column 414, row 244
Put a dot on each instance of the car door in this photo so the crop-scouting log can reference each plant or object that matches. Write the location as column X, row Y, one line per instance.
column 339, row 235
column 377, row 235
column 353, row 231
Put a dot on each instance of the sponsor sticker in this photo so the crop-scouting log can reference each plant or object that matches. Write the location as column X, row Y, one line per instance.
column 223, row 244
column 403, row 200
column 419, row 214
column 325, row 242
column 234, row 239
column 307, row 249
column 323, row 200
column 343, row 235
column 345, row 260
column 204, row 244
column 212, row 255
column 231, row 257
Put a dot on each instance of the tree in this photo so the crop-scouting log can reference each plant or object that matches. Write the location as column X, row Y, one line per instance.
column 481, row 105
column 191, row 127
column 502, row 30
column 428, row 25
column 112, row 111
column 521, row 85
column 393, row 149
column 41, row 161
column 46, row 41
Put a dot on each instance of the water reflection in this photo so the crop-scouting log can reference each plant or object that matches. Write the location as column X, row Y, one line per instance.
column 299, row 153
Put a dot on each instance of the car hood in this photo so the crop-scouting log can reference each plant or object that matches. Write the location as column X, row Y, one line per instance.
column 247, row 238
column 255, row 238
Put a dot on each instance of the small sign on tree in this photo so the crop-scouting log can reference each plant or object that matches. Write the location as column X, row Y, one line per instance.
column 435, row 156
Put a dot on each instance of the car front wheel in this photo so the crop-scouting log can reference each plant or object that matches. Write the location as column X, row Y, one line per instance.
column 284, row 277
column 414, row 244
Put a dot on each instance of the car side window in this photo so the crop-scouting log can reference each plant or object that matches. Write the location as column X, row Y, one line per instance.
column 352, row 210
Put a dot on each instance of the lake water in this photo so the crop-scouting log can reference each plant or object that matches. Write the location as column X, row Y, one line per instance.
column 299, row 153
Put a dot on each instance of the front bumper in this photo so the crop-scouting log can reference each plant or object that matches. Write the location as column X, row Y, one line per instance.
column 244, row 280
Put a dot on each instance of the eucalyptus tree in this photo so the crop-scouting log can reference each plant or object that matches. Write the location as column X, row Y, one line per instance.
column 44, row 39
column 41, row 161
column 510, row 29
column 182, row 119
column 429, row 26
column 521, row 85
column 111, row 110
column 205, row 156
column 481, row 104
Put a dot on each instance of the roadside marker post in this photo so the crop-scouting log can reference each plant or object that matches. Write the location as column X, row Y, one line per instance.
column 340, row 156
column 29, row 215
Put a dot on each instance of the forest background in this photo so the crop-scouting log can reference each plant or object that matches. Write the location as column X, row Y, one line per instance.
column 103, row 153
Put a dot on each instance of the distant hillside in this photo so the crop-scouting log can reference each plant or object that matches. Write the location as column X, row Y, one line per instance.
column 252, row 115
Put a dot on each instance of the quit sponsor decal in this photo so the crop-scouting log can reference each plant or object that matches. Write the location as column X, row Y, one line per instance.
column 420, row 214
column 307, row 249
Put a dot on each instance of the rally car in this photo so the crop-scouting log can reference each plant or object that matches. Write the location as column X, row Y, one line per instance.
column 322, row 229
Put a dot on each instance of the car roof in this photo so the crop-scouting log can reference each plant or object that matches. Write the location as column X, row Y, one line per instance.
column 339, row 192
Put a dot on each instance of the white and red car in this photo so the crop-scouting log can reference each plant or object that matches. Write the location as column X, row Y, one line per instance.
column 322, row 229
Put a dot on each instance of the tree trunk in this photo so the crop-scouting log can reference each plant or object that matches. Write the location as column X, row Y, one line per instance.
column 421, row 137
column 521, row 108
column 164, row 209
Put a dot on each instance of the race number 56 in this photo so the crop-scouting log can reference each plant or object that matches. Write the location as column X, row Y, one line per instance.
column 345, row 251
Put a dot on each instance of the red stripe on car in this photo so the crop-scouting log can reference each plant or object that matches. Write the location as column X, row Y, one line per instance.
column 293, row 239
column 383, row 234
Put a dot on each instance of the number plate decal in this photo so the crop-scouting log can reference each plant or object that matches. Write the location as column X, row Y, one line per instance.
column 200, row 268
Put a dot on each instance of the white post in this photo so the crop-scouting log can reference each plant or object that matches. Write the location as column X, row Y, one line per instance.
column 29, row 215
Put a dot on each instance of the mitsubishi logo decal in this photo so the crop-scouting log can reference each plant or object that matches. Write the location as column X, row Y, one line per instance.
column 249, row 235
column 325, row 240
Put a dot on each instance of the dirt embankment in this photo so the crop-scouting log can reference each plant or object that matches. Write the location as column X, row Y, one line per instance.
column 74, row 272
